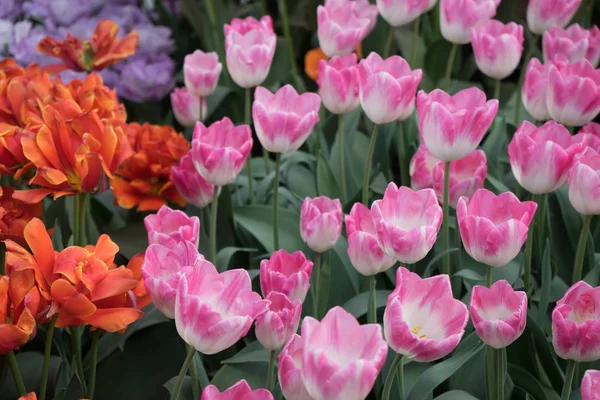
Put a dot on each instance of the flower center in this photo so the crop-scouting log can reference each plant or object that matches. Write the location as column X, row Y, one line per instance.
column 416, row 330
column 584, row 309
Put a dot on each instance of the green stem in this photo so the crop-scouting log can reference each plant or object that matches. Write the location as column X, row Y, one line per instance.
column 196, row 389
column 94, row 362
column 413, row 51
column 317, row 273
column 401, row 381
column 372, row 310
column 183, row 373
column 491, row 376
column 276, row 203
column 388, row 42
column 266, row 161
column 543, row 204
column 213, row 226
column 450, row 66
column 201, row 115
column 497, row 88
column 366, row 180
column 76, row 347
column 404, row 175
column 387, row 388
column 528, row 55
column 249, row 160
column 528, row 254
column 271, row 373
column 79, row 217
column 290, row 45
column 342, row 152
column 458, row 245
column 489, row 276
column 501, row 373
column 16, row 373
column 580, row 254
column 47, row 351
column 566, row 392
column 446, row 221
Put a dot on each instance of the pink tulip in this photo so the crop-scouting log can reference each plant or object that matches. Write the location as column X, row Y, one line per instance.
column 457, row 17
column 321, row 222
column 533, row 92
column 387, row 88
column 190, row 184
column 343, row 24
column 543, row 14
column 279, row 323
column 220, row 151
column 289, row 370
column 499, row 313
column 286, row 273
column 574, row 43
column 239, row 391
column 168, row 227
column 573, row 96
column 452, row 126
column 421, row 169
column 186, row 106
column 590, row 386
column 338, row 83
column 402, row 12
column 341, row 358
column 162, row 268
column 201, row 72
column 363, row 249
column 284, row 120
column 212, row 310
column 249, row 49
column 591, row 132
column 593, row 53
column 584, row 182
column 576, row 323
column 407, row 222
column 540, row 158
column 422, row 320
column 467, row 175
column 497, row 47
column 493, row 228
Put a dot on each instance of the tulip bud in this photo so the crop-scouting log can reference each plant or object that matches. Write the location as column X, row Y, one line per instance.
column 286, row 273
column 457, row 17
column 467, row 175
column 186, row 106
column 191, row 185
column 497, row 47
column 279, row 322
column 321, row 223
column 533, row 92
column 584, row 182
column 168, row 227
column 338, row 83
column 201, row 72
column 543, row 14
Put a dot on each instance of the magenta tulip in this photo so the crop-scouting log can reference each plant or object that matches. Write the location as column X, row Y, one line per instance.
column 190, row 184
column 168, row 227
column 286, row 273
column 574, row 43
column 533, row 92
column 239, row 391
column 402, row 12
column 338, row 83
column 279, row 322
column 591, row 132
column 543, row 14
column 584, row 182
column 497, row 47
column 186, row 106
column 201, row 72
column 590, row 386
column 289, row 370
column 457, row 17
column 421, row 169
column 321, row 222
column 467, row 175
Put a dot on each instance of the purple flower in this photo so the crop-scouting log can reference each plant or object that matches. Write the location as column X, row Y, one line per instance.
column 127, row 17
column 10, row 9
column 60, row 12
column 154, row 39
column 24, row 43
column 143, row 78
column 6, row 33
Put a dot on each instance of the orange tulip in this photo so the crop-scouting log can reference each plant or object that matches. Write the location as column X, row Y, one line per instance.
column 15, row 215
column 81, row 284
column 311, row 62
column 29, row 396
column 139, row 292
column 144, row 179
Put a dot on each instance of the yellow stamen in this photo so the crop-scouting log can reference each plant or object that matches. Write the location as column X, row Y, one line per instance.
column 416, row 330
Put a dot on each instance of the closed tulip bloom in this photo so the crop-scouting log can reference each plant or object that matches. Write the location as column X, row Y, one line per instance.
column 341, row 358
column 593, row 52
column 201, row 72
column 497, row 47
column 467, row 175
column 452, row 126
column 286, row 273
column 422, row 320
column 533, row 92
column 457, row 17
column 493, row 228
column 576, row 323
column 584, row 182
column 321, row 222
column 499, row 313
column 543, row 14
column 573, row 96
column 220, row 151
column 540, row 157
column 239, row 391
column 186, row 106
column 338, row 83
column 402, row 12
column 284, row 120
column 191, row 185
column 168, row 227
column 421, row 168
column 387, row 88
column 279, row 322
column 407, row 222
column 591, row 132
column 574, row 43
column 289, row 370
column 590, row 386
column 212, row 310
column 343, row 24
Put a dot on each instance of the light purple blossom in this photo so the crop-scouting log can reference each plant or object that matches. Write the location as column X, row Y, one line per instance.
column 145, row 79
column 26, row 36
column 60, row 12
column 10, row 9
column 154, row 39
column 6, row 33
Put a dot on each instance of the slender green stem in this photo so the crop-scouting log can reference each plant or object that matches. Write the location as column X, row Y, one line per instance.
column 497, row 88
column 196, row 389
column 388, row 42
column 413, row 50
column 288, row 39
column 94, row 362
column 201, row 114
column 76, row 347
column 79, row 217
column 458, row 245
column 566, row 392
column 490, row 372
column 342, row 152
column 543, row 205
column 183, row 373
column 501, row 373
column 276, row 202
column 266, row 160
column 372, row 310
column 401, row 381
column 450, row 66
column 317, row 273
column 528, row 254
column 402, row 158
column 528, row 55
column 489, row 276
column 213, row 226
column 271, row 373
column 47, row 351
column 389, row 380
column 16, row 373
column 580, row 254
column 446, row 221
column 249, row 160
column 366, row 180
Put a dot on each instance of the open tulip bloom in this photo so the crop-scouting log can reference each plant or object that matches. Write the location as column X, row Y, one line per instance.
column 286, row 273
column 168, row 227
column 574, row 43
column 239, row 391
column 290, row 370
column 457, row 17
column 497, row 48
column 584, row 182
column 402, row 12
column 201, row 72
column 543, row 14
column 467, row 175
column 590, row 387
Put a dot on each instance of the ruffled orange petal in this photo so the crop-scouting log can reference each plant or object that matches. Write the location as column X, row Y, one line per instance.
column 70, row 300
column 40, row 244
column 114, row 319
column 118, row 281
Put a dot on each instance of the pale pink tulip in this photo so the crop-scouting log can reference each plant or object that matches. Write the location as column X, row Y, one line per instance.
column 467, row 175
column 201, row 72
column 576, row 323
column 248, row 24
column 284, row 120
column 422, row 320
column 343, row 24
column 289, row 370
column 341, row 358
column 497, row 47
column 220, row 151
column 457, row 17
column 499, row 313
column 584, row 182
column 190, row 184
column 574, row 43
column 162, row 268
column 186, row 106
column 591, row 132
column 212, row 310
column 493, row 228
column 168, row 227
column 387, row 88
column 573, row 95
column 421, row 169
column 593, row 53
column 452, row 126
column 590, row 386
column 543, row 14
column 338, row 83
column 275, row 327
column 239, row 391
column 540, row 157
column 363, row 249
column 402, row 12
column 407, row 222
column 321, row 222
column 533, row 92
column 286, row 273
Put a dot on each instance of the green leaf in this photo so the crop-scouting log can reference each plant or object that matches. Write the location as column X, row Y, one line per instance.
column 324, row 289
column 254, row 352
column 524, row 380
column 545, row 354
column 326, row 182
column 341, row 251
column 470, row 275
column 436, row 59
column 498, row 186
column 186, row 392
column 357, row 306
column 456, row 395
column 254, row 373
column 224, row 256
column 546, row 285
column 435, row 259
column 132, row 239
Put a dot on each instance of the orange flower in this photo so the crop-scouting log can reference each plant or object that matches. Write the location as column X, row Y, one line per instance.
column 82, row 285
column 101, row 50
column 29, row 396
column 139, row 292
column 144, row 179
column 311, row 62
column 15, row 215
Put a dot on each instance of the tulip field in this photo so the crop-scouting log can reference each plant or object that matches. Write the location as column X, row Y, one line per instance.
column 299, row 199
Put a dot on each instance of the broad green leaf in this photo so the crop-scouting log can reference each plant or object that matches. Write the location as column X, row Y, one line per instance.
column 498, row 186
column 254, row 352
column 469, row 274
column 456, row 395
column 325, row 281
column 357, row 306
column 224, row 256
column 546, row 285
column 341, row 251
column 435, row 259
column 255, row 373
column 524, row 380
column 436, row 60
column 326, row 182
column 186, row 392
column 545, row 354
column 132, row 239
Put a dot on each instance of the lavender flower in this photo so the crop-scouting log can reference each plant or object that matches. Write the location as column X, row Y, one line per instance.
column 6, row 34
column 26, row 36
column 60, row 12
column 154, row 39
column 10, row 9
column 145, row 79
